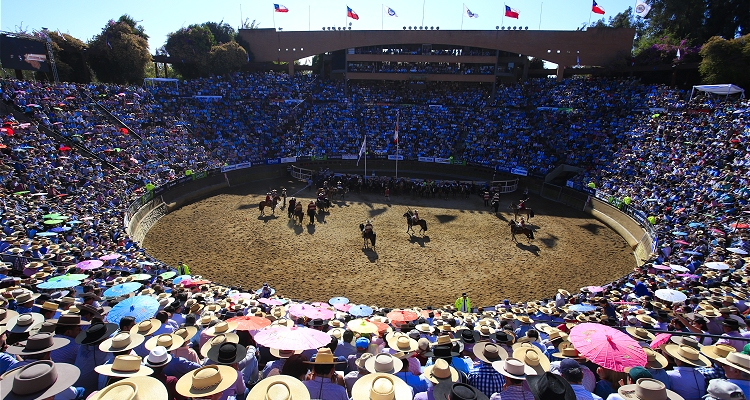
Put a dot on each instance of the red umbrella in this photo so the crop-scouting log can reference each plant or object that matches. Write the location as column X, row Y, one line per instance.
column 124, row 131
column 250, row 323
column 8, row 131
column 402, row 315
column 382, row 327
column 607, row 347
column 738, row 225
column 64, row 148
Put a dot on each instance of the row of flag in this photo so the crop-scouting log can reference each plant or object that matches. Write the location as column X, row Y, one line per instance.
column 641, row 9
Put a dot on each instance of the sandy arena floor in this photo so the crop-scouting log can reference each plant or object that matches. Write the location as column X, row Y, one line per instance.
column 466, row 248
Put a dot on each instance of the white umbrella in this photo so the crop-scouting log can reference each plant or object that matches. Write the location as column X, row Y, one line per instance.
column 719, row 266
column 678, row 268
column 671, row 295
column 737, row 250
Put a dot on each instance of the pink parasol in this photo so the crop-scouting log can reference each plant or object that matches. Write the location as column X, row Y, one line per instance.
column 343, row 307
column 681, row 242
column 607, row 347
column 595, row 289
column 294, row 338
column 659, row 340
column 110, row 256
column 243, row 295
column 298, row 310
column 662, row 267
column 319, row 304
column 271, row 302
column 317, row 312
column 191, row 283
column 90, row 264
column 402, row 315
column 250, row 323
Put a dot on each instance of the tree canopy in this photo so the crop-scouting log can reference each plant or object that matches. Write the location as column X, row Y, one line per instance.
column 70, row 58
column 726, row 61
column 119, row 53
column 205, row 49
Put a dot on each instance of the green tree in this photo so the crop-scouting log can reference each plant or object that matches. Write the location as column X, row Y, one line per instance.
column 726, row 61
column 70, row 58
column 699, row 20
column 227, row 57
column 189, row 49
column 536, row 63
column 223, row 32
column 134, row 27
column 118, row 55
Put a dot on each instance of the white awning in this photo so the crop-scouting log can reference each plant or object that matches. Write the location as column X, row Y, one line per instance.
column 724, row 89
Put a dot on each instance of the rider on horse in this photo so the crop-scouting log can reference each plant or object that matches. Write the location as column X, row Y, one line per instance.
column 522, row 205
column 521, row 223
column 268, row 198
column 368, row 229
column 415, row 217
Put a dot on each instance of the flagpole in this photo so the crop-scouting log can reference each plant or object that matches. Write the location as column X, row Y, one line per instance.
column 382, row 8
column 398, row 114
column 502, row 21
column 274, row 19
column 540, row 16
column 423, row 3
column 462, row 16
column 308, row 18
column 365, row 157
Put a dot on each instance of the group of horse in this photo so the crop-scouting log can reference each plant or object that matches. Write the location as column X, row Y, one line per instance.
column 514, row 227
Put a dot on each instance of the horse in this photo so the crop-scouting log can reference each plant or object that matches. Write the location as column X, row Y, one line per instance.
column 311, row 214
column 283, row 196
column 496, row 205
column 367, row 235
column 410, row 223
column 323, row 204
column 515, row 228
column 298, row 216
column 263, row 204
column 528, row 211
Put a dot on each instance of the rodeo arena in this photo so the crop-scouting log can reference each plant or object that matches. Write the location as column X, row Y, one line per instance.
column 390, row 229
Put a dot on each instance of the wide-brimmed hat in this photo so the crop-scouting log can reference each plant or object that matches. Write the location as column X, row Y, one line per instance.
column 227, row 353
column 687, row 355
column 186, row 332
column 205, row 381
column 169, row 341
column 533, row 357
column 485, row 330
column 424, row 328
column 647, row 389
column 280, row 353
column 36, row 344
column 717, row 351
column 402, row 342
column 655, row 360
column 567, row 350
column 324, row 356
column 70, row 320
column 280, row 387
column 737, row 360
column 146, row 327
column 96, row 333
column 38, row 380
column 381, row 387
column 124, row 366
column 122, row 341
column 221, row 327
column 23, row 323
column 513, row 368
column 6, row 315
column 158, row 357
column 133, row 388
column 26, row 297
column 524, row 319
column 709, row 313
column 458, row 391
column 489, row 352
column 385, row 363
column 685, row 340
column 646, row 319
column 639, row 333
column 440, row 371
column 549, row 386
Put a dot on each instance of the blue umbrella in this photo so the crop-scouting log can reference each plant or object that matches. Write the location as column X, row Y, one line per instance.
column 338, row 300
column 60, row 229
column 139, row 307
column 582, row 308
column 180, row 279
column 75, row 222
column 122, row 289
column 695, row 224
column 46, row 233
column 61, row 284
column 679, row 233
column 693, row 253
column 360, row 310
column 68, row 277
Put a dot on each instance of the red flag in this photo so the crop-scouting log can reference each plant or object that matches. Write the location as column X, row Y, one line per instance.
column 351, row 14
column 511, row 12
column 596, row 9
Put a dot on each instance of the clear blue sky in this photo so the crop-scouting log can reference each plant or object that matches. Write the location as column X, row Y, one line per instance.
column 84, row 19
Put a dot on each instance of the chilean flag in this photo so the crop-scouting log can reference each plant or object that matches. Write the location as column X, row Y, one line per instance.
column 351, row 14
column 511, row 12
column 596, row 9
column 280, row 8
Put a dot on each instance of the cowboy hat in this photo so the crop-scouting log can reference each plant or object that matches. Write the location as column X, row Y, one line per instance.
column 485, row 330
column 549, row 386
column 381, row 386
column 279, row 387
column 186, row 332
column 686, row 340
column 524, row 319
column 687, row 354
column 647, row 389
column 737, row 360
column 96, row 333
column 169, row 341
column 280, row 353
column 205, row 381
column 383, row 363
column 70, row 320
column 38, row 380
column 37, row 344
column 133, row 388
column 221, row 327
column 227, row 353
column 401, row 342
column 639, row 333
column 646, row 319
column 717, row 351
column 424, row 328
column 23, row 323
column 533, row 357
column 513, row 368
column 440, row 371
column 157, row 358
column 147, row 327
column 123, row 341
column 458, row 391
column 324, row 356
column 655, row 360
column 489, row 352
column 124, row 366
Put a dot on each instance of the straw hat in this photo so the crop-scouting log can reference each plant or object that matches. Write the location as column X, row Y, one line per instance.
column 513, row 368
column 424, row 328
column 280, row 387
column 485, row 330
column 737, row 360
column 124, row 366
column 6, row 315
column 123, row 341
column 401, row 342
column 283, row 322
column 489, row 352
column 169, row 341
column 687, row 355
column 24, row 322
column 186, row 332
column 709, row 312
column 655, row 360
column 279, row 353
column 647, row 389
column 646, row 319
column 38, row 380
column 221, row 327
column 134, row 388
column 440, row 371
column 383, row 363
column 717, row 351
column 639, row 333
column 567, row 350
column 524, row 319
column 37, row 344
column 533, row 357
column 205, row 381
column 381, row 387
column 146, row 327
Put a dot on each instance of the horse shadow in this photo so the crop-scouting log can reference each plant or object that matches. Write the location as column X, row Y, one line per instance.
column 550, row 241
column 420, row 240
column 593, row 228
column 444, row 218
column 266, row 218
column 531, row 248
column 501, row 217
column 297, row 228
column 311, row 229
column 371, row 254
column 377, row 211
column 321, row 217
column 247, row 207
